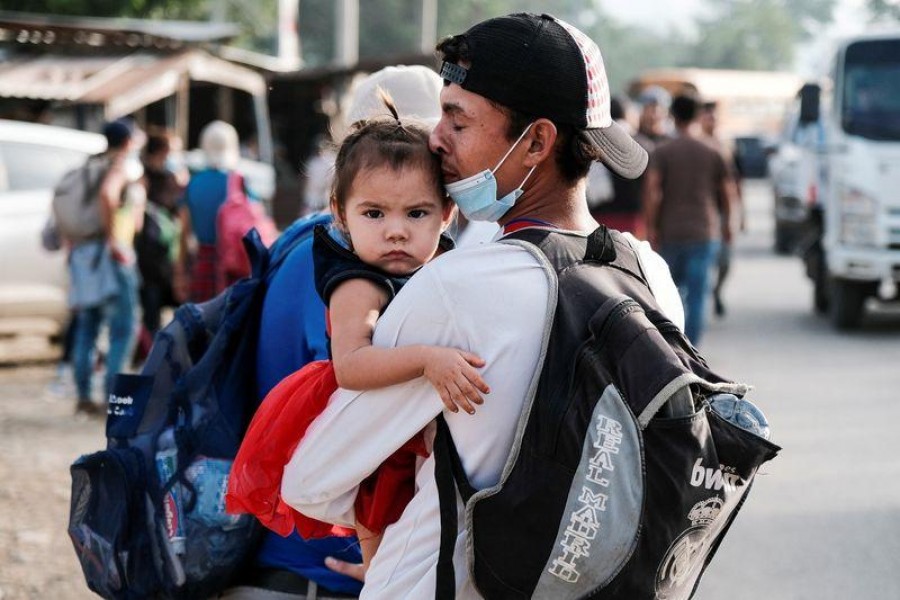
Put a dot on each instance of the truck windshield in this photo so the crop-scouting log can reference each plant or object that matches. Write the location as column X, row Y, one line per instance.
column 872, row 90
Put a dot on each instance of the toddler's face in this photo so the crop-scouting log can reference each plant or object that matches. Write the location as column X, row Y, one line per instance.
column 395, row 218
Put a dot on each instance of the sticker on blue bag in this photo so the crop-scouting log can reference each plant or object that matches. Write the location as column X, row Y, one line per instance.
column 126, row 404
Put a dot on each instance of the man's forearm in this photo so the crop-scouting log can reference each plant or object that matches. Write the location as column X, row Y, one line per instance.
column 652, row 194
column 729, row 200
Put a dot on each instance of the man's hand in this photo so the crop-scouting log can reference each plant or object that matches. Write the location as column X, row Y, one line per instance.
column 727, row 235
column 356, row 571
column 117, row 254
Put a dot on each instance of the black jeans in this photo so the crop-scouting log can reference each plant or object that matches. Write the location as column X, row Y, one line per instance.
column 154, row 297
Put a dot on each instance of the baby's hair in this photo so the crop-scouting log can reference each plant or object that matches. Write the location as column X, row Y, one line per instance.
column 388, row 102
column 383, row 142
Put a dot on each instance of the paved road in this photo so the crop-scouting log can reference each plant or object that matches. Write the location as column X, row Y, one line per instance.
column 823, row 521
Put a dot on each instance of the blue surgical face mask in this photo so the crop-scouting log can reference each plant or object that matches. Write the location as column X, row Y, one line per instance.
column 174, row 164
column 476, row 196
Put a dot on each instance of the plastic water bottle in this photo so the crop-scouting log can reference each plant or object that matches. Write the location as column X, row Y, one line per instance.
column 741, row 412
column 209, row 477
column 173, row 510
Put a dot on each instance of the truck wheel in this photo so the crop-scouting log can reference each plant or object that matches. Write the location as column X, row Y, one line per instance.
column 846, row 303
column 820, row 296
column 783, row 240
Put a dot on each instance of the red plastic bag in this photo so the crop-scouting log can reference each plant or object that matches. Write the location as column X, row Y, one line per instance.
column 254, row 485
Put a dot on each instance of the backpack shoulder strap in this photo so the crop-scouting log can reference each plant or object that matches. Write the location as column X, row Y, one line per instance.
column 603, row 246
column 449, row 473
column 600, row 246
column 449, row 476
column 92, row 187
column 293, row 236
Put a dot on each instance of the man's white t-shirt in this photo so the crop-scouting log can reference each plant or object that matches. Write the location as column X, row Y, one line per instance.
column 491, row 300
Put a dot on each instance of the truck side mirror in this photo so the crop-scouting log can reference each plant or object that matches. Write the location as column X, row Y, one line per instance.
column 809, row 103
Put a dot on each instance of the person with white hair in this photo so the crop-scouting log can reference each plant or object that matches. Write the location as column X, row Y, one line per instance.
column 205, row 194
column 292, row 334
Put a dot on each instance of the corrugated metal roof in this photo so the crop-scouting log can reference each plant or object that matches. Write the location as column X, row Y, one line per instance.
column 29, row 28
column 122, row 84
column 52, row 77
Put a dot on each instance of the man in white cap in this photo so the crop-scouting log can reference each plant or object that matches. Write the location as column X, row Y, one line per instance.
column 525, row 111
column 292, row 333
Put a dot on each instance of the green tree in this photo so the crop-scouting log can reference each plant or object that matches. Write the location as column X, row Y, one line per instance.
column 170, row 9
column 392, row 27
column 809, row 14
column 884, row 9
column 258, row 22
column 457, row 16
column 316, row 28
column 629, row 49
column 756, row 34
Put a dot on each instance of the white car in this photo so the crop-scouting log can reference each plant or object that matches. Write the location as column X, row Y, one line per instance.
column 34, row 281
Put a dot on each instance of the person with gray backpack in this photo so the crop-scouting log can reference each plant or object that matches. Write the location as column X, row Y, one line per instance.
column 97, row 208
column 597, row 466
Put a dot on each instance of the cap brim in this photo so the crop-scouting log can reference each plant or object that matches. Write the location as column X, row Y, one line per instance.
column 619, row 151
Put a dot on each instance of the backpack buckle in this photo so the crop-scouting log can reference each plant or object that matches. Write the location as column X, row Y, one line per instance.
column 600, row 246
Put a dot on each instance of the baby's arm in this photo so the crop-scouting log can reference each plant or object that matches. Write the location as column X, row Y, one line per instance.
column 358, row 365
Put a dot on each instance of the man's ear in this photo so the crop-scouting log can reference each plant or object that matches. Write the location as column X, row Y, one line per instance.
column 448, row 213
column 541, row 141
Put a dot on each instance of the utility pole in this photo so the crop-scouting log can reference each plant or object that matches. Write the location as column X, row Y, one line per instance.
column 429, row 26
column 347, row 35
column 288, row 36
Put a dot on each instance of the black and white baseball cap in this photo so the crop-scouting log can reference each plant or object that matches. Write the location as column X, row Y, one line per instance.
column 543, row 66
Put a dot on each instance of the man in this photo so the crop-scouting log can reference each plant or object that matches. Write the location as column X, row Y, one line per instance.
column 624, row 212
column 525, row 109
column 687, row 208
column 102, row 269
column 653, row 127
column 156, row 245
column 292, row 334
column 708, row 122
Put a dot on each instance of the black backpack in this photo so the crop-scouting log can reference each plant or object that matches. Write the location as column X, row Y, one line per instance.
column 147, row 516
column 153, row 246
column 623, row 476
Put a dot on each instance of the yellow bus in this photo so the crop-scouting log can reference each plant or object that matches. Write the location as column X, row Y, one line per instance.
column 748, row 102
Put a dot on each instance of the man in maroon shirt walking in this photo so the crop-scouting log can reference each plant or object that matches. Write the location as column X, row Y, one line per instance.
column 689, row 195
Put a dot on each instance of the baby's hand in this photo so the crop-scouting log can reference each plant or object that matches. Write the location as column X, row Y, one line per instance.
column 454, row 375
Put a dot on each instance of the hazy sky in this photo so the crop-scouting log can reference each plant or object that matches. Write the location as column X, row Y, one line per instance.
column 646, row 12
column 680, row 12
column 849, row 18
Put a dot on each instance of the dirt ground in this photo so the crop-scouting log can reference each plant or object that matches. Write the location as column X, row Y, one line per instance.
column 39, row 438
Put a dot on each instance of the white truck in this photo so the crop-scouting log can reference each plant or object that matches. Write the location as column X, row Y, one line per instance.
column 853, row 151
